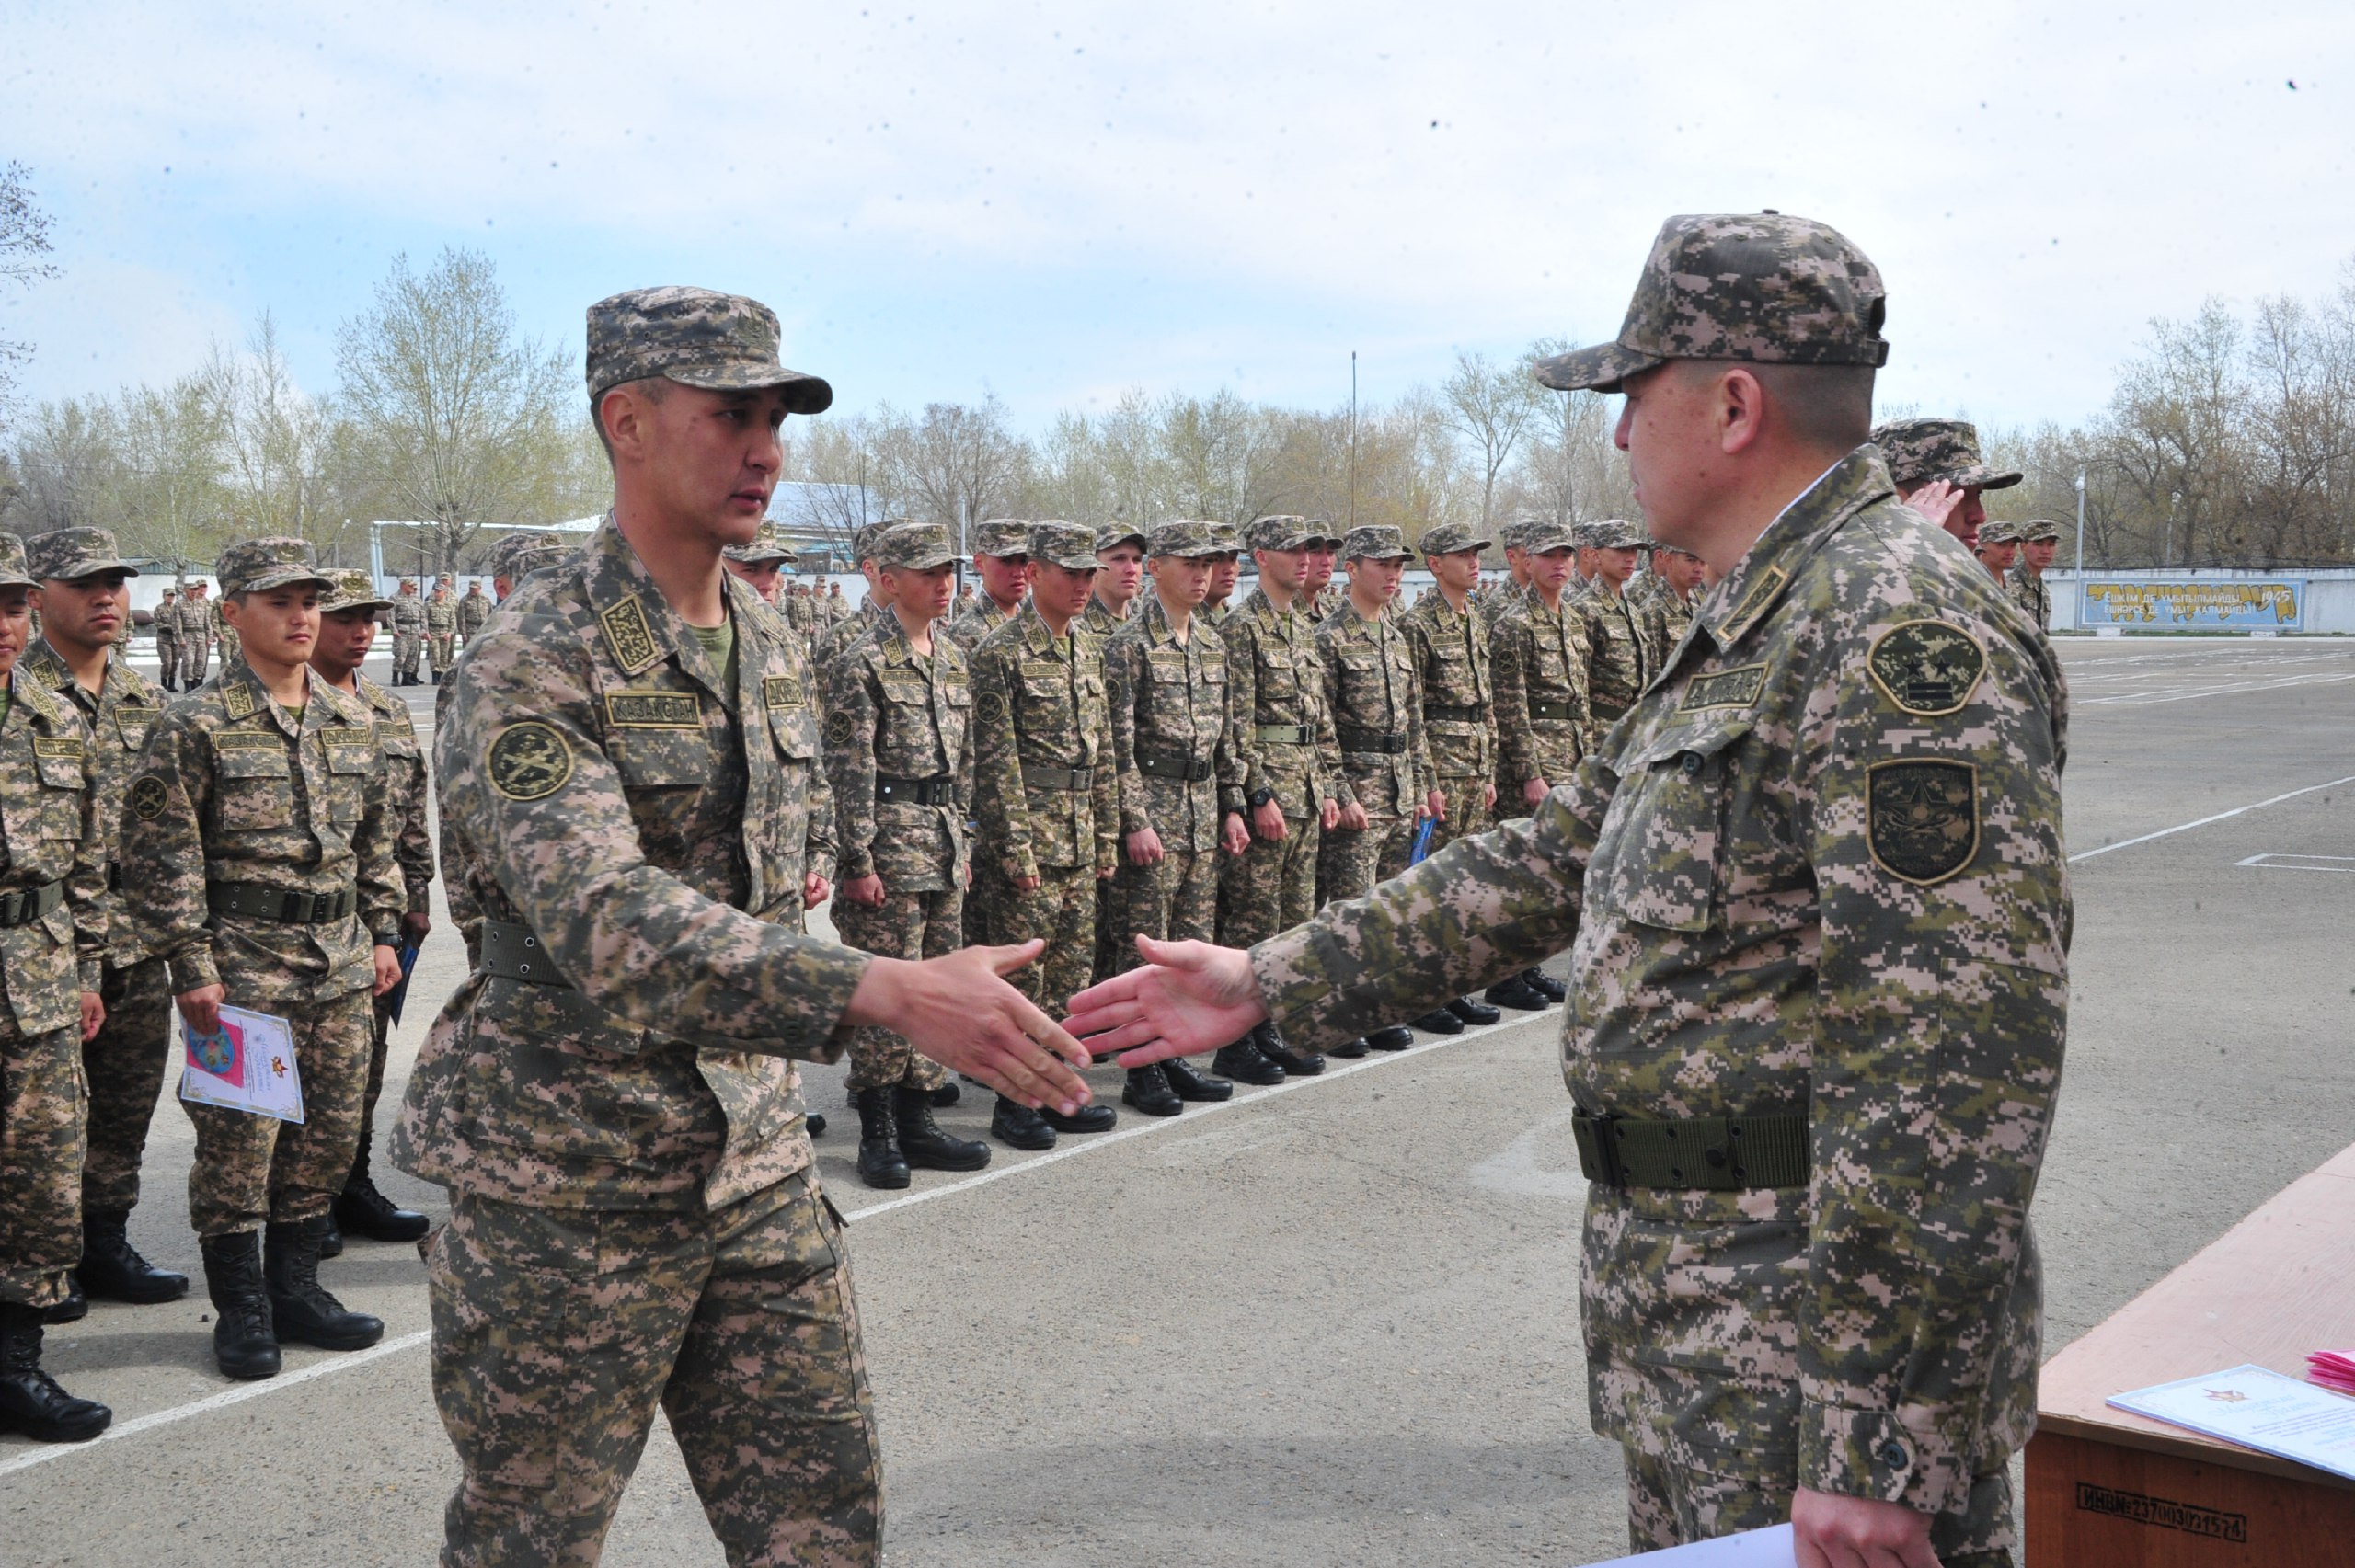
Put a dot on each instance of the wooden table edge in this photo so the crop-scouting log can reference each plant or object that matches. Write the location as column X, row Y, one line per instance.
column 2185, row 1444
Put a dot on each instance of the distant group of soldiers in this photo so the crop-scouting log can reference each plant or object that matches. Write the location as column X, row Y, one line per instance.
column 188, row 624
column 432, row 628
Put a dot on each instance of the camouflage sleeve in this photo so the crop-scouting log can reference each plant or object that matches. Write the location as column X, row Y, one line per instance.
column 1226, row 760
column 1123, row 675
column 525, row 778
column 465, row 912
column 1480, row 909
column 1314, row 696
column 961, row 770
column 821, row 846
column 1942, row 996
column 850, row 763
column 1243, row 704
column 413, row 848
column 374, row 849
column 162, row 840
column 1419, row 740
column 88, row 901
column 1000, row 807
column 1328, row 680
column 1508, row 664
column 1105, row 798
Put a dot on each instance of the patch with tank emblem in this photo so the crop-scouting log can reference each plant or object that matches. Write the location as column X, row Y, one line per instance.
column 1926, row 668
column 1922, row 817
column 148, row 798
column 629, row 636
column 529, row 760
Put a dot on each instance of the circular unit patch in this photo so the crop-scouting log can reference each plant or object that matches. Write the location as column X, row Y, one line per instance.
column 148, row 798
column 529, row 760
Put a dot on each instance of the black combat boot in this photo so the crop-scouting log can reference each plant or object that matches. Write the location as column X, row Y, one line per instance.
column 1518, row 994
column 1473, row 1012
column 1545, row 985
column 1018, row 1127
column 816, row 1122
column 1296, row 1064
column 31, row 1400
column 880, row 1164
column 1241, row 1061
column 947, row 1095
column 366, row 1212
column 244, row 1341
column 1189, row 1084
column 921, row 1139
column 1439, row 1020
column 1350, row 1050
column 1398, row 1037
column 331, row 1239
column 1087, row 1118
column 76, row 1305
column 299, row 1305
column 1148, row 1090
column 112, row 1270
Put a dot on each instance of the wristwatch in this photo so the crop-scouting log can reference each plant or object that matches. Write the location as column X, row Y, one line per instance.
column 1262, row 797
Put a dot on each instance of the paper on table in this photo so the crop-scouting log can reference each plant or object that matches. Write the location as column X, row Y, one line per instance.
column 2258, row 1409
column 1753, row 1549
column 247, row 1064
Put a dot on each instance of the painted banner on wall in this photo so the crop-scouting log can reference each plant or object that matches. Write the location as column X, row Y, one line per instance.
column 2251, row 605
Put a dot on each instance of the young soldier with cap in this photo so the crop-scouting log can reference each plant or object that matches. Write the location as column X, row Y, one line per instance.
column 1617, row 662
column 1046, row 800
column 1317, row 599
column 1226, row 570
column 1002, row 560
column 473, row 611
column 441, row 630
column 1293, row 788
column 52, row 933
column 1818, row 910
column 1181, row 785
column 634, row 1221
column 409, row 633
column 1998, row 547
column 1938, row 471
column 197, row 628
column 517, row 557
column 873, row 612
column 1120, row 576
column 347, row 631
column 2039, row 542
column 167, row 626
column 1668, row 609
column 84, row 604
column 264, row 836
column 761, row 564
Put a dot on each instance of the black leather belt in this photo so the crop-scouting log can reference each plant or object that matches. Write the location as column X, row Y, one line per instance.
column 22, row 906
column 1281, row 734
column 1540, row 708
column 939, row 790
column 1038, row 775
column 1388, row 741
column 1697, row 1154
column 512, row 953
column 281, row 904
column 1184, row 770
column 1454, row 712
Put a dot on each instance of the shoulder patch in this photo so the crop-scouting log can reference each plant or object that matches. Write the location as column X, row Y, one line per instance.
column 529, row 760
column 629, row 636
column 1737, row 688
column 1922, row 818
column 1926, row 668
column 148, row 798
column 654, row 710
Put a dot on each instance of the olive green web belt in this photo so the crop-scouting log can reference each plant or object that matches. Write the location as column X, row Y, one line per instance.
column 292, row 907
column 1697, row 1154
column 1281, row 734
column 1540, row 708
column 1038, row 776
column 511, row 952
column 1609, row 712
column 22, row 906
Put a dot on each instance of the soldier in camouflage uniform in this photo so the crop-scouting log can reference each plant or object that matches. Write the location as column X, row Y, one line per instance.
column 762, row 563
column 900, row 756
column 53, row 937
column 196, row 629
column 873, row 610
column 1180, row 783
column 473, row 611
column 517, row 557
column 1226, row 570
column 1818, row 908
column 1318, row 598
column 1376, row 699
column 1046, row 800
column 263, row 835
column 220, row 629
column 2039, row 542
column 1284, row 738
column 1120, row 572
column 1618, row 655
column 1997, row 549
column 346, row 631
column 1002, row 558
column 83, row 602
column 167, row 625
column 1541, row 660
column 409, row 633
column 1940, row 474
column 611, row 1096
column 1667, row 608
column 440, row 631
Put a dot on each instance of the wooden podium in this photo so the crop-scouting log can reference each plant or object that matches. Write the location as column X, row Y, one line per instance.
column 2109, row 1490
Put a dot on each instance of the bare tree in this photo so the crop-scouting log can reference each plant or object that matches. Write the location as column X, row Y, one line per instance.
column 275, row 441
column 1492, row 407
column 952, row 465
column 171, row 499
column 24, row 236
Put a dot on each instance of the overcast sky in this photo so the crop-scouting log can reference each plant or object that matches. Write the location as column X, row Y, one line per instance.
column 1058, row 202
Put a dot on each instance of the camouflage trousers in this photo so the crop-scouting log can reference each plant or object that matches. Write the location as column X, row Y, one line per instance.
column 1269, row 888
column 251, row 1169
column 41, row 1107
column 1062, row 910
column 1348, row 864
column 167, row 661
column 407, row 647
column 379, row 1044
column 195, row 652
column 1466, row 816
column 124, row 1066
column 441, row 650
column 1669, row 1504
column 1175, row 900
column 556, row 1332
column 906, row 925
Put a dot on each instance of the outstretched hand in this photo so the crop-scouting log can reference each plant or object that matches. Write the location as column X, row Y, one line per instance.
column 1188, row 998
column 958, row 1011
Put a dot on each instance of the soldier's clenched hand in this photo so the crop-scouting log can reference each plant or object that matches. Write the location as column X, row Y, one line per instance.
column 1189, row 997
column 1830, row 1530
column 958, row 1011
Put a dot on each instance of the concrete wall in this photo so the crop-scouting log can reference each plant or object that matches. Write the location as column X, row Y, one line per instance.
column 2329, row 608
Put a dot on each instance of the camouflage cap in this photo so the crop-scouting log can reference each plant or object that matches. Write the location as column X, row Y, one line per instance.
column 867, row 536
column 1759, row 286
column 1229, row 537
column 1998, row 534
column 1614, row 533
column 518, row 555
column 1113, row 534
column 352, row 590
column 70, row 554
column 1325, row 534
column 2039, row 530
column 1450, row 537
column 1544, row 533
column 768, row 543
column 12, row 563
column 1511, row 534
column 257, row 565
column 1061, row 544
column 1002, row 537
column 1374, row 542
column 1189, row 538
column 1921, row 451
column 697, row 338
column 1280, row 532
column 914, row 546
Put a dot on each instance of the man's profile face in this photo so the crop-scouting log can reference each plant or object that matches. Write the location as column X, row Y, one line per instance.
column 1458, row 569
column 1282, row 568
column 1550, row 570
column 1004, row 576
column 345, row 637
column 1681, row 571
column 708, row 461
column 1181, row 580
column 1614, row 566
column 1318, row 567
column 1998, row 558
column 925, row 593
column 87, row 613
column 2039, row 553
column 277, row 623
column 1122, row 571
column 15, row 624
column 1667, row 431
column 1062, row 590
column 1225, row 571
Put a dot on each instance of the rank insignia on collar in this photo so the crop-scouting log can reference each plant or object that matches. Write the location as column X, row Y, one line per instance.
column 1922, row 818
column 238, row 699
column 629, row 636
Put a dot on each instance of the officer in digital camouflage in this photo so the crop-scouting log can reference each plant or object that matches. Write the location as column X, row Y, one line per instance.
column 762, row 563
column 2039, row 542
column 1938, row 471
column 85, row 603
column 167, row 626
column 1818, row 908
column 900, row 756
column 263, row 835
column 346, row 631
column 1318, row 598
column 872, row 611
column 1282, row 735
column 440, row 631
column 611, row 1096
column 409, row 633
column 1120, row 577
column 1618, row 663
column 1226, row 570
column 52, row 938
column 1046, row 800
column 1002, row 560
column 473, row 611
column 1180, row 783
column 1998, row 547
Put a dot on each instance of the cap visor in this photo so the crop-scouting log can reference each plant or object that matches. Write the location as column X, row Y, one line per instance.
column 921, row 563
column 803, row 394
column 284, row 577
column 93, row 569
column 1599, row 369
column 1459, row 549
column 1073, row 563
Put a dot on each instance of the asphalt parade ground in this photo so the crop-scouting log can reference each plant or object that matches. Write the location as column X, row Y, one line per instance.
column 1335, row 1321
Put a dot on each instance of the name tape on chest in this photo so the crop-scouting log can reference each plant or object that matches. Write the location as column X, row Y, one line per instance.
column 247, row 740
column 653, row 710
column 1926, row 668
column 1738, row 688
column 782, row 690
column 58, row 746
column 530, row 760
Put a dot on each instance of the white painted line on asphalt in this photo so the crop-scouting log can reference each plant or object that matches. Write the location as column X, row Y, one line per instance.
column 2143, row 699
column 221, row 1401
column 2221, row 815
column 2277, row 860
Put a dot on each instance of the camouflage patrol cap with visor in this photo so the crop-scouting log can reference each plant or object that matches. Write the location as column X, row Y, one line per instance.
column 1117, row 533
column 1922, row 452
column 518, row 555
column 257, row 565
column 1065, row 544
column 351, row 588
column 69, row 554
column 1758, row 286
column 1376, row 542
column 768, row 543
column 12, row 563
column 696, row 337
column 1003, row 537
column 1280, row 532
column 1448, row 538
column 915, row 547
column 1187, row 538
column 1613, row 534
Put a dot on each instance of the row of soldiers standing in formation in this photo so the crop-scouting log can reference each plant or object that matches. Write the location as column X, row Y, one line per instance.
column 431, row 630
column 262, row 841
